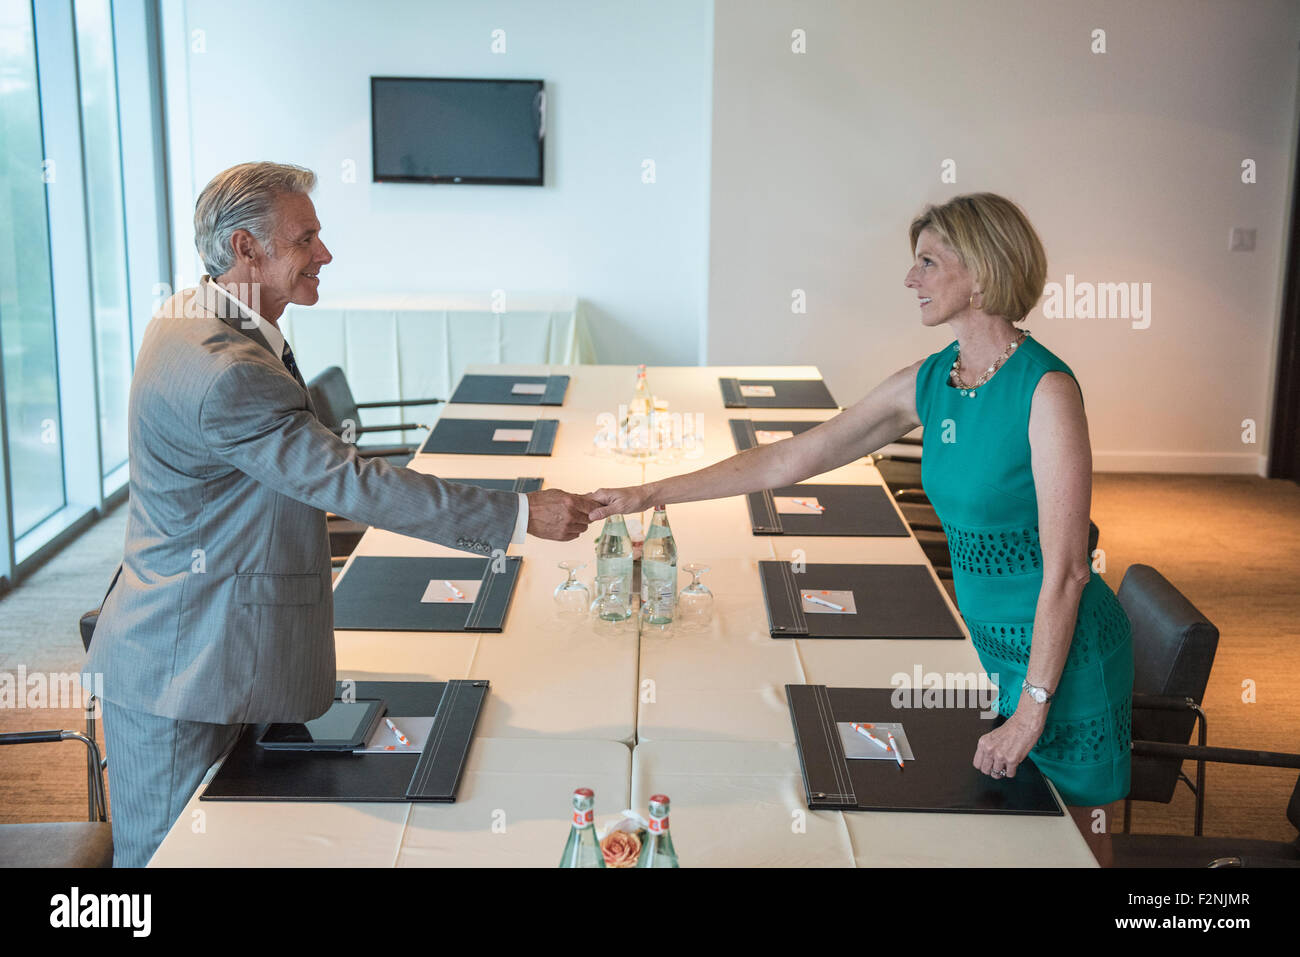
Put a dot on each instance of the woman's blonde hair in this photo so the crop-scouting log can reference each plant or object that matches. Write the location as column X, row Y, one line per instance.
column 995, row 241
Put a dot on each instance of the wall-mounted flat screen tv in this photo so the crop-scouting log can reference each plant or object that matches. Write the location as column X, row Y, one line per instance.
column 426, row 130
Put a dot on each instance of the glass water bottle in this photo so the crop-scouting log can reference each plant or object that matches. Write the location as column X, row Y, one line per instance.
column 659, row 560
column 658, row 849
column 583, row 850
column 614, row 554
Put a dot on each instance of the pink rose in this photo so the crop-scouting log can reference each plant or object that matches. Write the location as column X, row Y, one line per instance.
column 621, row 849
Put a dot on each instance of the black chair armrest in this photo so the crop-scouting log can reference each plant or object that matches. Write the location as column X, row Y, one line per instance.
column 1195, row 752
column 398, row 402
column 1248, row 861
column 911, row 495
column 30, row 737
column 399, row 427
column 890, row 457
column 383, row 451
column 1163, row 702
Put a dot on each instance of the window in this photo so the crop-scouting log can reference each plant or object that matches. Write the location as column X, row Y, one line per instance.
column 31, row 384
column 82, row 199
column 106, row 222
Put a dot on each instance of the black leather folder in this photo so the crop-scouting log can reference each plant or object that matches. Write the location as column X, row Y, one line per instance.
column 893, row 601
column 743, row 431
column 474, row 437
column 789, row 394
column 500, row 390
column 252, row 773
column 502, row 485
column 849, row 510
column 383, row 594
column 940, row 776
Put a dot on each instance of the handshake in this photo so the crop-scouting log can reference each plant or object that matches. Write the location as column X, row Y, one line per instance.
column 563, row 516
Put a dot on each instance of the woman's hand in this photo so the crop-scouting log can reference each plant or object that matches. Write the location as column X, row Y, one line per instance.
column 1000, row 752
column 620, row 501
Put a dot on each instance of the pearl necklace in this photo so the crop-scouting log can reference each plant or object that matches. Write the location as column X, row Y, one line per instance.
column 969, row 390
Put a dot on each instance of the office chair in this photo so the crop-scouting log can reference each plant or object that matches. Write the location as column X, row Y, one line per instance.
column 336, row 408
column 1173, row 652
column 67, row 843
column 1179, row 850
column 95, row 764
column 61, row 843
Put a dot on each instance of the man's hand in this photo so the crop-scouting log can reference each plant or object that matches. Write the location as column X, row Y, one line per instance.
column 560, row 516
column 619, row 501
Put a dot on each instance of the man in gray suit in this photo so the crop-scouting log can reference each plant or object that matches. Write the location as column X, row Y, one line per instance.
column 222, row 612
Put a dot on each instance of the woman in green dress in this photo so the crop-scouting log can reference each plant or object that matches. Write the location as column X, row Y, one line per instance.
column 1007, row 464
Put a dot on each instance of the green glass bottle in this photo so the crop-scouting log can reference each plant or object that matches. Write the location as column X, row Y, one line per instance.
column 583, row 850
column 658, row 849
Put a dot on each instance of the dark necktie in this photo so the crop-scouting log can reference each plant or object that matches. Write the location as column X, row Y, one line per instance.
column 291, row 365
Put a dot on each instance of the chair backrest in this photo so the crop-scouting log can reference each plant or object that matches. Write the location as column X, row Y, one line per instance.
column 332, row 397
column 91, row 618
column 1173, row 652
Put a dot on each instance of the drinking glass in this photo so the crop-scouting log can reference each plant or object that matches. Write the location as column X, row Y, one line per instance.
column 695, row 604
column 611, row 604
column 657, row 611
column 571, row 595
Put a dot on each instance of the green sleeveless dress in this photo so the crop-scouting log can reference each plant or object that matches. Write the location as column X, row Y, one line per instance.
column 976, row 469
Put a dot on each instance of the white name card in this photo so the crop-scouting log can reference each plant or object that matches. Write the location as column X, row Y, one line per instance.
column 813, row 599
column 440, row 592
column 791, row 506
column 512, row 435
column 528, row 388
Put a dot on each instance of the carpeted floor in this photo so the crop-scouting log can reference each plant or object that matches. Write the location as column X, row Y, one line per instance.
column 1231, row 544
column 38, row 631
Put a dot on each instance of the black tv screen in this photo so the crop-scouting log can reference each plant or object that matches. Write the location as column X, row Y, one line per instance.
column 457, row 131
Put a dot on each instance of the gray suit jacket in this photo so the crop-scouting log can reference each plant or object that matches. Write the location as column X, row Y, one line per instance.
column 223, row 611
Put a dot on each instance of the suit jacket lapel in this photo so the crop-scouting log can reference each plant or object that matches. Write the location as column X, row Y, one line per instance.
column 233, row 314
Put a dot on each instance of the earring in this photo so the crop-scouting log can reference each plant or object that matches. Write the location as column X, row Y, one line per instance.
column 970, row 301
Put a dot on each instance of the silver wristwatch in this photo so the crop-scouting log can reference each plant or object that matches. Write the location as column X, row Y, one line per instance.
column 1041, row 695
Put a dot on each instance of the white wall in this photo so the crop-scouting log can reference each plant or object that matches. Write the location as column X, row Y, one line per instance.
column 1128, row 163
column 626, row 82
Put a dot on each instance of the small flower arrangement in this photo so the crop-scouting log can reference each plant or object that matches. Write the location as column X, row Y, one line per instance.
column 622, row 838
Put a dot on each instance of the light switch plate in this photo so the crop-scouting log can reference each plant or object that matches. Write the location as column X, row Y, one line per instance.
column 1241, row 240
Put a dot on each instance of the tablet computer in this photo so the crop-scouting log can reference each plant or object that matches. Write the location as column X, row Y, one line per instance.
column 346, row 726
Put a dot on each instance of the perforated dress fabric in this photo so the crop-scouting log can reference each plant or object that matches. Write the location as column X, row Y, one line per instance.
column 977, row 472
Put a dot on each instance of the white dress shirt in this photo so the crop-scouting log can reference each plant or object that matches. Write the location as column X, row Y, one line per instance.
column 275, row 339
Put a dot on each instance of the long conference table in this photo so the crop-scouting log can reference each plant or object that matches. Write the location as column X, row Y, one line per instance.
column 696, row 712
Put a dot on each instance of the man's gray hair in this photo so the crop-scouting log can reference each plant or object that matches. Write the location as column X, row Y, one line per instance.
column 242, row 197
